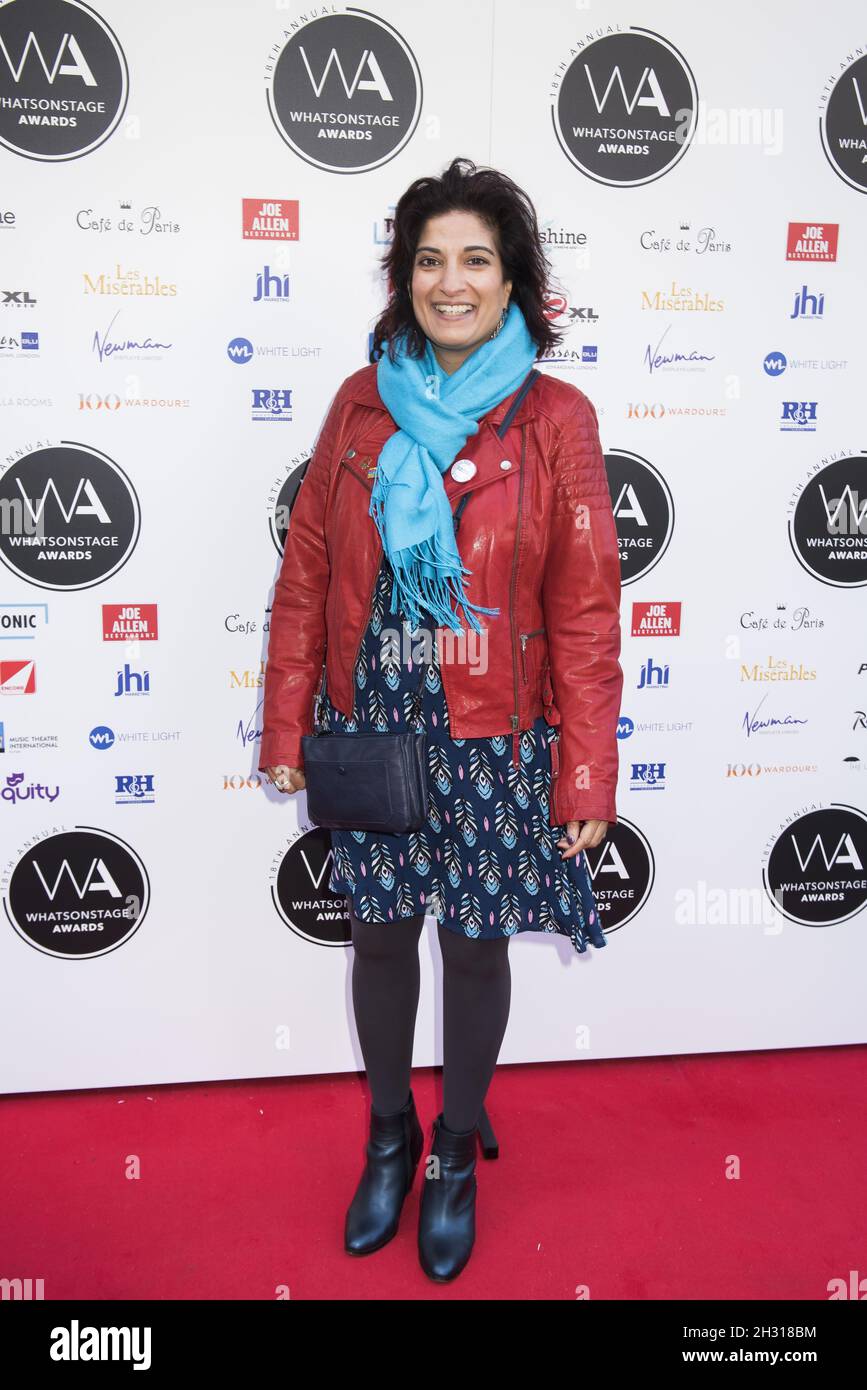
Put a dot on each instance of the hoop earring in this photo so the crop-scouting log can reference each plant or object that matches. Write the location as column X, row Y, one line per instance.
column 498, row 327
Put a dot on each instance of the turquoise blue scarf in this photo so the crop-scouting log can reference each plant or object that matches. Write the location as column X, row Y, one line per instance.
column 436, row 413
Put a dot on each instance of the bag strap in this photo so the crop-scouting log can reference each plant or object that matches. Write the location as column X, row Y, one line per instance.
column 319, row 700
column 501, row 430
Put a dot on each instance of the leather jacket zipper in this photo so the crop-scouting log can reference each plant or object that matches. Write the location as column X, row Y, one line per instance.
column 525, row 637
column 516, row 717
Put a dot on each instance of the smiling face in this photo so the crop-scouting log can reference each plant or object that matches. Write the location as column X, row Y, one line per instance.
column 458, row 290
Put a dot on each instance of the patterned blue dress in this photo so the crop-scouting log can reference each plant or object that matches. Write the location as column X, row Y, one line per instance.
column 487, row 863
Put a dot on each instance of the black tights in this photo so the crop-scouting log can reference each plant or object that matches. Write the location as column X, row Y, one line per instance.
column 477, row 987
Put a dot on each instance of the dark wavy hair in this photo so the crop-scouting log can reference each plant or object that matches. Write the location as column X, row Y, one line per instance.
column 506, row 210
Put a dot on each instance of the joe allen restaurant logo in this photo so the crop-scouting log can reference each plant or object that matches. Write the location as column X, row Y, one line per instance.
column 812, row 241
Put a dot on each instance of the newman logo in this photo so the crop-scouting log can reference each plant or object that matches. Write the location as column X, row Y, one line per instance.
column 809, row 241
column 269, row 220
column 129, row 622
column 656, row 619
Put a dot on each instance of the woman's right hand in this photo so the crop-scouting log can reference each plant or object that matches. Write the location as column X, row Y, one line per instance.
column 287, row 779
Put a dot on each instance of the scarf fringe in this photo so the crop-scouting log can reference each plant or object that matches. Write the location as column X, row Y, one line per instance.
column 417, row 587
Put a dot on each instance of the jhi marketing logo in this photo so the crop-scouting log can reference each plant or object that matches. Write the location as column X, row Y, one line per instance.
column 269, row 219
column 812, row 241
column 808, row 305
column 76, row 892
column 656, row 619
column 18, row 677
column 129, row 622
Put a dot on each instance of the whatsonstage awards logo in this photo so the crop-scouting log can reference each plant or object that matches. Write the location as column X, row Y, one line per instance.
column 64, row 80
column 624, row 107
column 76, row 893
column 300, row 893
column 643, row 512
column 69, row 516
column 828, row 521
column 815, row 866
column 843, row 123
column 344, row 91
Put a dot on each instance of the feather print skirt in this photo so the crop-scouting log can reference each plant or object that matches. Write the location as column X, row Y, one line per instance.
column 486, row 863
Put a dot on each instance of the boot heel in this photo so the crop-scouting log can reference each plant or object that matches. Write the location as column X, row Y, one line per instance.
column 447, row 1213
column 393, row 1152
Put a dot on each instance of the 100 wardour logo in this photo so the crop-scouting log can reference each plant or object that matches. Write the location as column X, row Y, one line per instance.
column 344, row 91
column 63, row 79
column 624, row 107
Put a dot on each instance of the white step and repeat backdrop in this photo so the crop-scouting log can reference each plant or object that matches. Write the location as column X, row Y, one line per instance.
column 193, row 204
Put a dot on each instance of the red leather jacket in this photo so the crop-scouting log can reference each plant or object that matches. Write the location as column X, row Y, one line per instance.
column 538, row 536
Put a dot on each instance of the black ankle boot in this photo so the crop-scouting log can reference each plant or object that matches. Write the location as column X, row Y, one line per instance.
column 393, row 1151
column 447, row 1217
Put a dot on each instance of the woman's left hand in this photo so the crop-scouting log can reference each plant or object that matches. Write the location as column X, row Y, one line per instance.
column 591, row 835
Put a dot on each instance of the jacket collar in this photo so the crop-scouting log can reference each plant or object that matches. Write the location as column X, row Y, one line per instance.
column 362, row 388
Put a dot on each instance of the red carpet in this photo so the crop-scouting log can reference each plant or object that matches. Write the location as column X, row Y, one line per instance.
column 611, row 1174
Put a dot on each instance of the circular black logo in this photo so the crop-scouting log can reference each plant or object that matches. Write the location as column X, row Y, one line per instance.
column 828, row 528
column 816, row 872
column 77, row 893
column 622, row 872
column 842, row 125
column 643, row 511
column 301, row 893
column 63, row 79
column 345, row 92
column 625, row 110
column 288, row 491
column 70, row 517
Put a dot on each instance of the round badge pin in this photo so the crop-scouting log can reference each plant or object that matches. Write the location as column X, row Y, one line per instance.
column 463, row 470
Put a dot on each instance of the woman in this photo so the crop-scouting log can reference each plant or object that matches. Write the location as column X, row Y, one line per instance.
column 454, row 493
